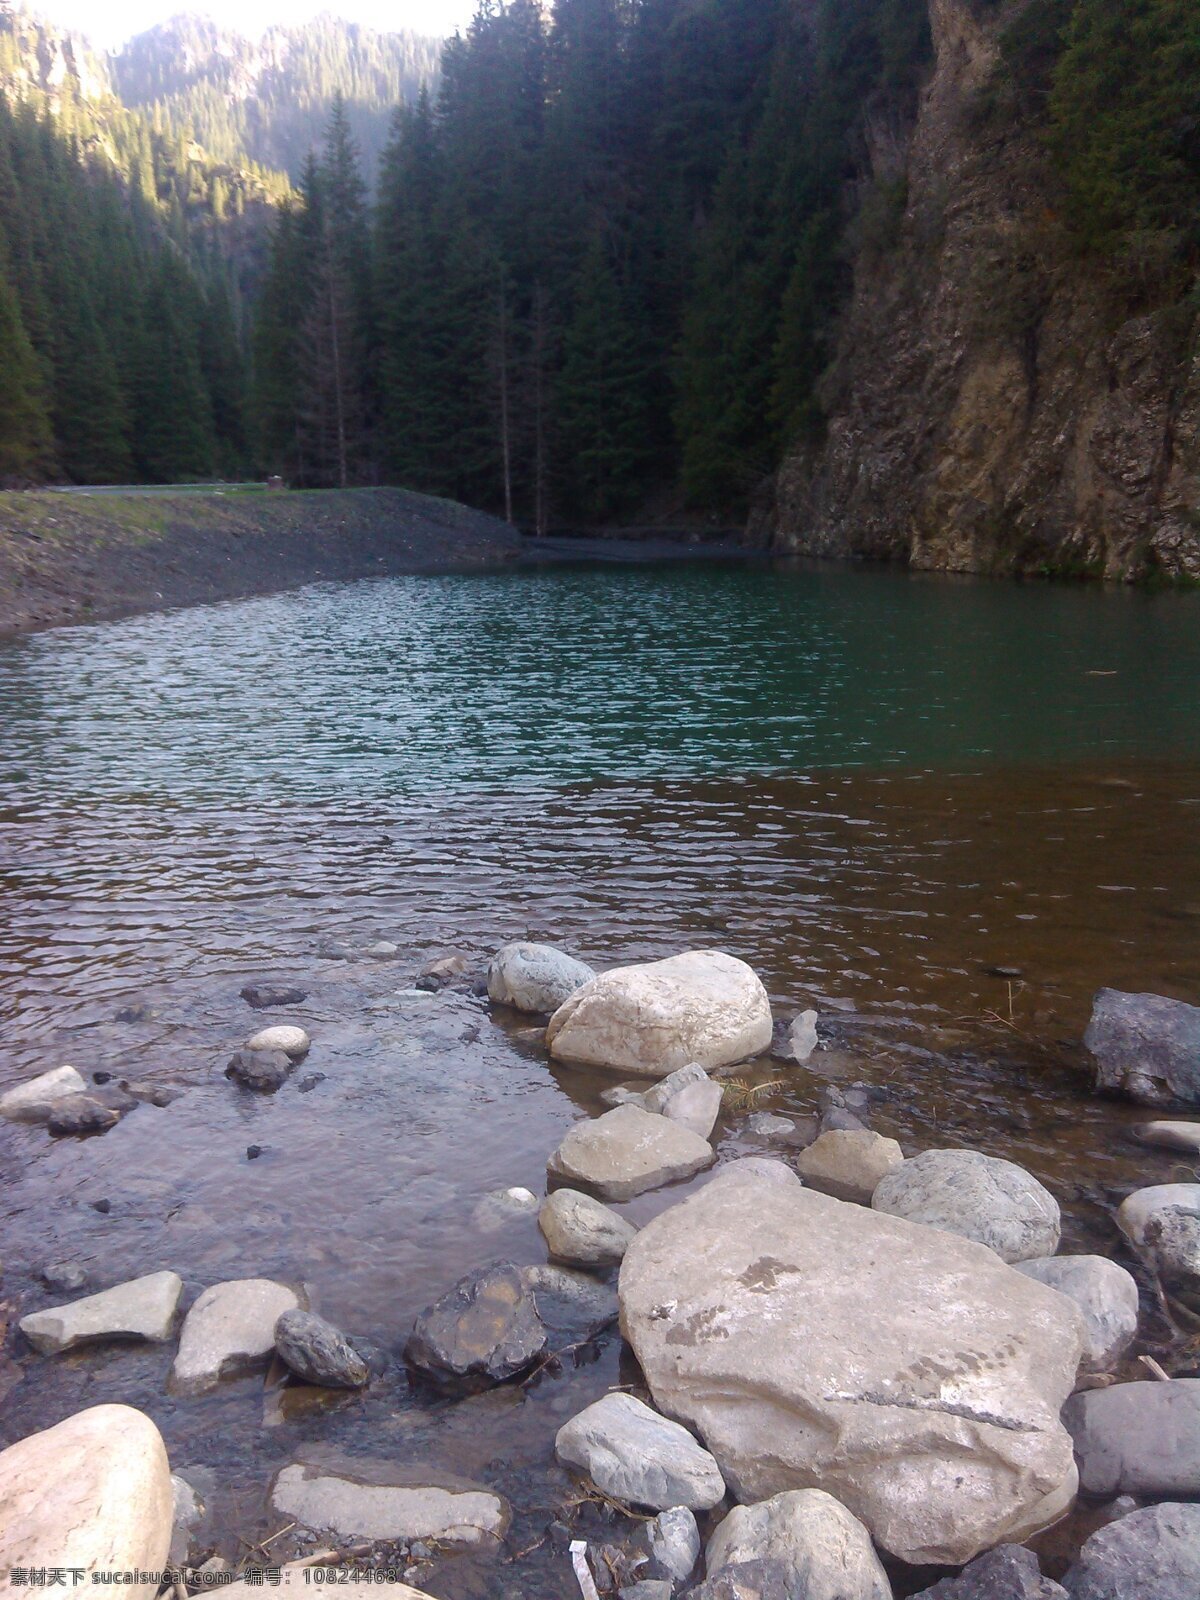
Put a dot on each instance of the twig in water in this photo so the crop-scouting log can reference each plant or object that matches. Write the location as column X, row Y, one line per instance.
column 1162, row 1375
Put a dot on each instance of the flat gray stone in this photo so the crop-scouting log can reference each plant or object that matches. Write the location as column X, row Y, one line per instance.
column 141, row 1309
column 318, row 1352
column 994, row 1202
column 33, row 1101
column 186, row 1515
column 1138, row 1438
column 627, row 1151
column 849, row 1163
column 536, row 978
column 636, row 1456
column 229, row 1329
column 327, row 1502
column 1146, row 1046
column 1107, row 1297
column 825, row 1551
column 1153, row 1554
column 486, row 1329
column 749, row 1580
column 580, row 1229
column 262, row 996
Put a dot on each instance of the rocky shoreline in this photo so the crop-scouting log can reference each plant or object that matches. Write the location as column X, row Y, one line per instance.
column 857, row 1367
column 81, row 557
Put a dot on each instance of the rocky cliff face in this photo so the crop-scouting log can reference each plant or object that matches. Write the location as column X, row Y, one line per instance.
column 992, row 408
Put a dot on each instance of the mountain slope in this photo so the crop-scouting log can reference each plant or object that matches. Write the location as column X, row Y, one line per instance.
column 270, row 100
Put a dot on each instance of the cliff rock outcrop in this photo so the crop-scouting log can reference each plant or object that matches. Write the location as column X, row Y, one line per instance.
column 992, row 404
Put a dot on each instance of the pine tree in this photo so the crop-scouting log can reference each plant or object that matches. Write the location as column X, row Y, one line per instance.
column 26, row 442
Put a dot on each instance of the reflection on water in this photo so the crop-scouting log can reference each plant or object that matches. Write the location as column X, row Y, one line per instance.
column 877, row 790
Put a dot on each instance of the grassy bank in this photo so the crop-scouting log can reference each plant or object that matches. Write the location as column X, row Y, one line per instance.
column 70, row 557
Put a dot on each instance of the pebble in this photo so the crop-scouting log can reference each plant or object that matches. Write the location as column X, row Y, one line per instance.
column 80, row 1114
column 318, row 1352
column 261, row 1070
column 291, row 1040
column 262, row 996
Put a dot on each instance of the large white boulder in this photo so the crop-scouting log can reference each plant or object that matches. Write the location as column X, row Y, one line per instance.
column 92, row 1492
column 983, row 1198
column 633, row 1454
column 817, row 1344
column 825, row 1551
column 144, row 1308
column 627, row 1151
column 35, row 1100
column 230, row 1329
column 702, row 1006
column 534, row 977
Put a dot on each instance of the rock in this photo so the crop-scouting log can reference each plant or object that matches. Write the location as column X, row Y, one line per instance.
column 802, row 1036
column 980, row 1197
column 263, row 1070
column 92, row 1492
column 1138, row 1438
column 580, row 1229
column 441, row 972
column 839, row 1119
column 317, row 1352
column 1009, row 1573
column 689, row 1097
column 486, row 1329
column 294, row 1042
column 382, row 949
column 1107, row 1297
column 815, row 1344
column 262, row 996
column 571, row 1304
column 502, row 1207
column 627, row 1151
column 79, row 1114
column 703, row 1006
column 849, row 1164
column 826, row 1552
column 187, row 1512
column 1146, row 1046
column 634, row 1455
column 534, row 977
column 1163, row 1225
column 64, row 1277
column 1183, row 1136
column 142, row 1309
column 330, row 1503
column 622, row 1095
column 1152, row 1554
column 796, row 1132
column 674, row 1541
column 750, row 1580
column 647, row 1589
column 229, row 1329
column 33, row 1101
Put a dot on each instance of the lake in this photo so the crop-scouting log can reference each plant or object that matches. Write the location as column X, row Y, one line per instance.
column 941, row 811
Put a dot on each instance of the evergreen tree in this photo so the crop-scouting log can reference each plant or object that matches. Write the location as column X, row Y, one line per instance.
column 26, row 441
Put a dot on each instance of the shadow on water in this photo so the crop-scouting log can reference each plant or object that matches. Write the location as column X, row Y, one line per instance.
column 879, row 791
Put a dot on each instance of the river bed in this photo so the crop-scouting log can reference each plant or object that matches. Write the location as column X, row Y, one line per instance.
column 941, row 812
